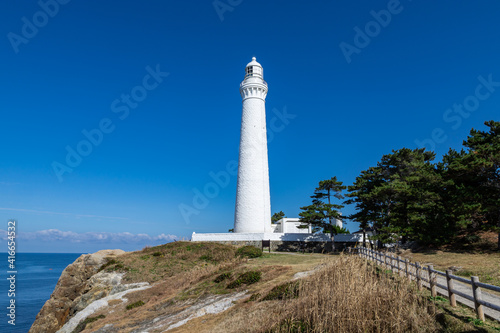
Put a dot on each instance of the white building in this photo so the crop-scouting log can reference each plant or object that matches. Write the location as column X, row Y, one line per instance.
column 291, row 226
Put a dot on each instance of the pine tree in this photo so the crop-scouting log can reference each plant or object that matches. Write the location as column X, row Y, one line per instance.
column 322, row 213
column 277, row 216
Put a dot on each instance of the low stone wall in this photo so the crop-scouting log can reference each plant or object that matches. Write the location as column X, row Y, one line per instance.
column 285, row 246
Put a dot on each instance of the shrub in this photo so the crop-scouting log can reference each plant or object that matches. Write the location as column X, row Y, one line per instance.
column 107, row 264
column 286, row 290
column 81, row 326
column 117, row 267
column 135, row 305
column 249, row 252
column 157, row 254
column 470, row 239
column 464, row 272
column 249, row 277
column 222, row 277
column 235, row 284
column 206, row 257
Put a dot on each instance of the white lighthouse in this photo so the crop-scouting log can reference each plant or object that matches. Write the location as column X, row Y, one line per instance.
column 252, row 218
column 253, row 201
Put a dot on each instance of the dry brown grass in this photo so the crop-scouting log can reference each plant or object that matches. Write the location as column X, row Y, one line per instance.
column 484, row 265
column 348, row 296
column 160, row 262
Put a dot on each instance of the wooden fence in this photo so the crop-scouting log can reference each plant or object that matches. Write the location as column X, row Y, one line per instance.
column 414, row 271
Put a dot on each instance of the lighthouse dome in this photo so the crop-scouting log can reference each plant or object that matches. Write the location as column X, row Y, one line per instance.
column 253, row 68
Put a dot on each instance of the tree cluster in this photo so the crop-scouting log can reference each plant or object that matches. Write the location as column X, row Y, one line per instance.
column 407, row 196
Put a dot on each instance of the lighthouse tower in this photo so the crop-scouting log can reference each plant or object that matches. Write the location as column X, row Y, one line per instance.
column 253, row 201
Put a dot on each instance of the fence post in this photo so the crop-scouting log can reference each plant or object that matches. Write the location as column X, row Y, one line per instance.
column 407, row 263
column 432, row 280
column 476, row 291
column 399, row 267
column 419, row 279
column 451, row 294
column 385, row 260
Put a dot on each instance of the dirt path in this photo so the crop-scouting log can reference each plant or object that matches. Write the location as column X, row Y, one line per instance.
column 467, row 289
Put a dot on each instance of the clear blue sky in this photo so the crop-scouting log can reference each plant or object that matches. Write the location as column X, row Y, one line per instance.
column 74, row 71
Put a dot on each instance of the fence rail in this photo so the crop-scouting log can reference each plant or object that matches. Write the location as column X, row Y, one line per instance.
column 414, row 271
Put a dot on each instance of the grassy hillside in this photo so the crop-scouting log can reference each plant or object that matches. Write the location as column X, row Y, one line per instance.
column 335, row 294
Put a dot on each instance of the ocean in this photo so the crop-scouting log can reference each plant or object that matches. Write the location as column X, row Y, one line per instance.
column 36, row 278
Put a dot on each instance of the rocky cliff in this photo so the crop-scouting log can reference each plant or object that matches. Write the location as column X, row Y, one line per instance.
column 175, row 287
column 72, row 291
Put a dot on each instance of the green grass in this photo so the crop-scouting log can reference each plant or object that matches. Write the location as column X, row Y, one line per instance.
column 249, row 252
column 483, row 265
column 222, row 277
column 285, row 290
column 289, row 259
column 135, row 305
column 247, row 278
column 461, row 318
column 254, row 297
column 203, row 288
column 81, row 326
column 107, row 264
column 438, row 298
column 153, row 264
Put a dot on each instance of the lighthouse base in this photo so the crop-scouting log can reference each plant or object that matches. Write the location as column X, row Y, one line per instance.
column 287, row 242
